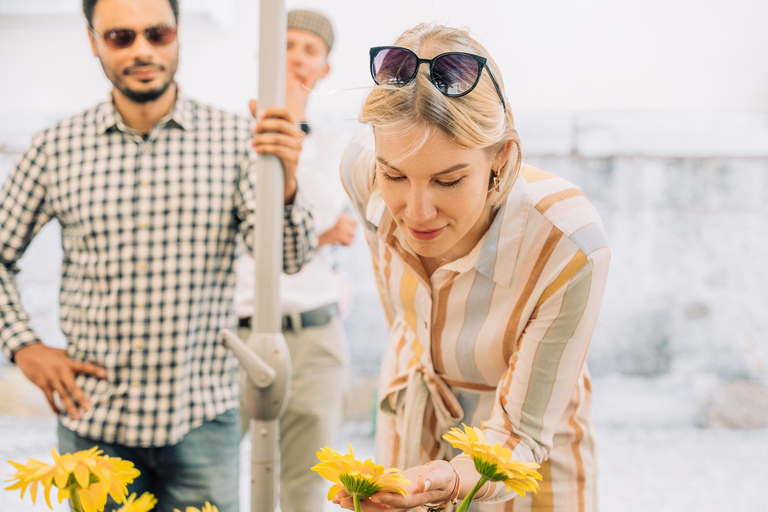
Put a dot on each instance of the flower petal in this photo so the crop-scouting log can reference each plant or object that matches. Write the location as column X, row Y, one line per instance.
column 82, row 475
column 334, row 490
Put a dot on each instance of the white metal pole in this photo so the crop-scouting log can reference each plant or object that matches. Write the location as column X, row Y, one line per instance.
column 265, row 359
column 266, row 335
column 269, row 197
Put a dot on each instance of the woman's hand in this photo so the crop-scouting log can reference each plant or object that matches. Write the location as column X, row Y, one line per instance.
column 431, row 483
column 277, row 134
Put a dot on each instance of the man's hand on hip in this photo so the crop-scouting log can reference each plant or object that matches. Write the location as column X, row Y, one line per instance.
column 53, row 371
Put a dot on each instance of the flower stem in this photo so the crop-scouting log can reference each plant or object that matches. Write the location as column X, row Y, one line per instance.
column 356, row 499
column 468, row 498
column 75, row 500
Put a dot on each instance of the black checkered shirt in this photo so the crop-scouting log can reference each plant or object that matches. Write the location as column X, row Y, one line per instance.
column 148, row 234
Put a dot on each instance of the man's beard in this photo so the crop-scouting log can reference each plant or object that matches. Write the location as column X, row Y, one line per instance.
column 142, row 96
column 139, row 97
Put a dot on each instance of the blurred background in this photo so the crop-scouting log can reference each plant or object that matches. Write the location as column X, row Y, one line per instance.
column 657, row 109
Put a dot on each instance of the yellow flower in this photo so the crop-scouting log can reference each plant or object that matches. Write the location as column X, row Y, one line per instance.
column 494, row 462
column 207, row 508
column 30, row 475
column 145, row 503
column 89, row 474
column 359, row 479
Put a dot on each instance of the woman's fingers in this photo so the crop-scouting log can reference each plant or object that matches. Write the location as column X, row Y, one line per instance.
column 431, row 483
column 370, row 506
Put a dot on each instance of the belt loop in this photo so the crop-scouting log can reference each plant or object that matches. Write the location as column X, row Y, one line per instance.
column 296, row 324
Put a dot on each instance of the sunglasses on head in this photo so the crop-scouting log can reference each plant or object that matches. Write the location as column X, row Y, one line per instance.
column 454, row 73
column 160, row 35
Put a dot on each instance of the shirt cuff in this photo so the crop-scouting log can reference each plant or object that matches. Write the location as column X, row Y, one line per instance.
column 17, row 341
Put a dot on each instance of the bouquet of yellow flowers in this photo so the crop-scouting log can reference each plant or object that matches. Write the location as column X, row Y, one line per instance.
column 86, row 478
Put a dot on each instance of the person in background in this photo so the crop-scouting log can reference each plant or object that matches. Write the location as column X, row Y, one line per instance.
column 151, row 189
column 491, row 274
column 311, row 300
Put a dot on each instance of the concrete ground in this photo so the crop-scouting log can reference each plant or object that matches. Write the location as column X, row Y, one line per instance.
column 652, row 455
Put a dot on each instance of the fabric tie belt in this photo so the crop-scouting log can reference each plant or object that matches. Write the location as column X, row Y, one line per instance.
column 410, row 403
column 313, row 318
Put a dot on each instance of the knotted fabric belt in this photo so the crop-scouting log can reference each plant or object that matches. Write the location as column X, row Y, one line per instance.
column 313, row 318
column 410, row 402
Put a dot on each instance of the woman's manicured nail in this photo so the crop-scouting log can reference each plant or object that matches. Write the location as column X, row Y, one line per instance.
column 427, row 485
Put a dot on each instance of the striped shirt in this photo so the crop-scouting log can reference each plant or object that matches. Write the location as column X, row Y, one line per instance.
column 148, row 227
column 495, row 339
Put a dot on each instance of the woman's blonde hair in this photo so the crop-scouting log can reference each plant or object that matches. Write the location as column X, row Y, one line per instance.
column 475, row 121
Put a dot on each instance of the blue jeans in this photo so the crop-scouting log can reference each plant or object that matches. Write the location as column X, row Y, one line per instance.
column 204, row 466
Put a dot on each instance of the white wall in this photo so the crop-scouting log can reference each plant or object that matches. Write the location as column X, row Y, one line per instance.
column 593, row 55
column 556, row 55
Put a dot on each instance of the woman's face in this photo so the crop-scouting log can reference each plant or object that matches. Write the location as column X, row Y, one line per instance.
column 437, row 195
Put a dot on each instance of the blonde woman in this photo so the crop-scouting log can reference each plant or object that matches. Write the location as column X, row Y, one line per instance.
column 491, row 275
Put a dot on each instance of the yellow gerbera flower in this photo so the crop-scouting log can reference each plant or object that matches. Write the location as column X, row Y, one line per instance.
column 207, row 508
column 495, row 462
column 42, row 473
column 145, row 503
column 87, row 473
column 359, row 479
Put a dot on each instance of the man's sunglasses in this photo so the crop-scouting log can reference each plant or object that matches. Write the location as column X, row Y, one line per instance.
column 454, row 73
column 160, row 35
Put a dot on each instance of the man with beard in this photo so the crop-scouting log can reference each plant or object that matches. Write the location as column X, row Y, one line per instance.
column 151, row 189
column 312, row 298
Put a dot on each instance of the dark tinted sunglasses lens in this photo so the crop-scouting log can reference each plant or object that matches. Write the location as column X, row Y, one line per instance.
column 119, row 38
column 393, row 66
column 455, row 75
column 159, row 36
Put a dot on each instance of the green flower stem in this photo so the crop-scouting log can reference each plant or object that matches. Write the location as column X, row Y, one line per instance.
column 356, row 499
column 469, row 497
column 75, row 500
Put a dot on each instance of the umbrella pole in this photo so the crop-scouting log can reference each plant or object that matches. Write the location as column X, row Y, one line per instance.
column 265, row 358
column 266, row 337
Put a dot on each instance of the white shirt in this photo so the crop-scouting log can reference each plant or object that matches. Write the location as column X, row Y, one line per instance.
column 323, row 195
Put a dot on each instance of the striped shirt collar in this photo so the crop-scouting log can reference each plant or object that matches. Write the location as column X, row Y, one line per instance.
column 504, row 237
column 107, row 116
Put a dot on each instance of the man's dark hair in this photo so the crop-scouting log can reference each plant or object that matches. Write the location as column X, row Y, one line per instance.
column 88, row 6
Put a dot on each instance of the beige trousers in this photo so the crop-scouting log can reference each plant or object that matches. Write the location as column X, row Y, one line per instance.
column 314, row 415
